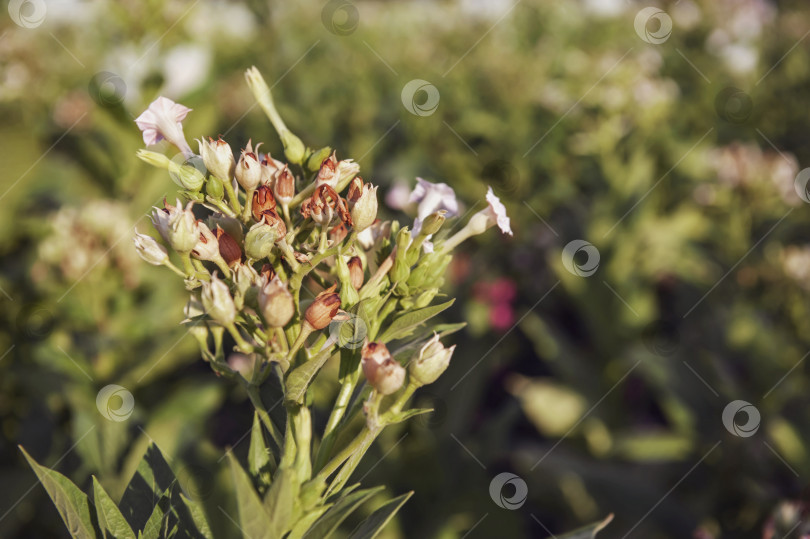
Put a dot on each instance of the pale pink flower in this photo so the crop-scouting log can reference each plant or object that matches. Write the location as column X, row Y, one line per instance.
column 497, row 211
column 162, row 120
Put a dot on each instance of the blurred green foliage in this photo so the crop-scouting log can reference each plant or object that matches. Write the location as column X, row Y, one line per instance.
column 603, row 393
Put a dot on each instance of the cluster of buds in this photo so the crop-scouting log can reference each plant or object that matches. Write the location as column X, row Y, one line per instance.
column 253, row 235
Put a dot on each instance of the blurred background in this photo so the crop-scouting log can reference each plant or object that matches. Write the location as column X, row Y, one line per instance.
column 638, row 348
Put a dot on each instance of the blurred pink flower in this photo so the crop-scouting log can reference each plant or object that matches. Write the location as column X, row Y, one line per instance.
column 162, row 120
column 501, row 316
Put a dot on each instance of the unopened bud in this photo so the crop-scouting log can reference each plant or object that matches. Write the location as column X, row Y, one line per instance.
column 217, row 300
column 316, row 158
column 432, row 361
column 248, row 169
column 263, row 200
column 260, row 240
column 215, row 188
column 321, row 312
column 364, row 209
column 356, row 272
column 186, row 176
column 433, row 223
column 383, row 373
column 218, row 158
column 182, row 230
column 294, row 149
column 150, row 250
column 276, row 303
column 424, row 299
column 284, row 187
column 244, row 277
column 228, row 247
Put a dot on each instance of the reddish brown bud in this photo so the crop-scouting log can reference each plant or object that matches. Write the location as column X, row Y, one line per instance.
column 228, row 247
column 284, row 187
column 323, row 309
column 356, row 272
column 355, row 191
column 338, row 233
column 267, row 273
column 263, row 200
column 272, row 218
column 383, row 373
column 328, row 172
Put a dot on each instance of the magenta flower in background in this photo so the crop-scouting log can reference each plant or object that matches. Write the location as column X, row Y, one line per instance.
column 162, row 120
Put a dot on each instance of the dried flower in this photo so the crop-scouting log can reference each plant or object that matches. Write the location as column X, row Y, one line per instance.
column 207, row 248
column 383, row 373
column 323, row 205
column 162, row 120
column 162, row 216
column 328, row 174
column 228, row 247
column 284, row 186
column 217, row 300
column 276, row 303
column 150, row 250
column 263, row 200
column 432, row 361
column 356, row 272
column 218, row 158
column 321, row 312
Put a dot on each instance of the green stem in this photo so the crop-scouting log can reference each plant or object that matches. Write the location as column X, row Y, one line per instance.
column 232, row 197
column 248, row 206
column 241, row 344
column 178, row 271
column 222, row 265
column 255, row 398
column 337, row 414
column 306, row 330
column 220, row 206
column 187, row 266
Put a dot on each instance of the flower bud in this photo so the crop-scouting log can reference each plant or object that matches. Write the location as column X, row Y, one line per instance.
column 218, row 158
column 263, row 200
column 260, row 240
column 338, row 233
column 364, row 209
column 294, row 149
column 328, row 174
column 244, row 277
column 432, row 361
column 150, row 250
column 217, row 300
column 276, row 303
column 356, row 272
column 228, row 247
column 433, row 223
column 248, row 170
column 315, row 160
column 186, row 176
column 284, row 186
column 382, row 372
column 182, row 233
column 207, row 248
column 215, row 188
column 424, row 299
column 321, row 312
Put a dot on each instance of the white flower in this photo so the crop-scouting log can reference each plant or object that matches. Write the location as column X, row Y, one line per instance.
column 497, row 211
column 162, row 120
column 150, row 250
column 249, row 170
column 218, row 157
column 433, row 197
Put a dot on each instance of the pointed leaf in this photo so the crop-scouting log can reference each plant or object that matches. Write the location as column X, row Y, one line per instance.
column 405, row 324
column 280, row 501
column 407, row 414
column 330, row 521
column 198, row 517
column 374, row 524
column 302, row 527
column 298, row 380
column 110, row 519
column 158, row 521
column 71, row 502
column 590, row 531
column 253, row 519
column 260, row 461
column 152, row 478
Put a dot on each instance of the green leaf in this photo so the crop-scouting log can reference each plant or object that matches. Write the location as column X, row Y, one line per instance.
column 71, row 502
column 405, row 324
column 298, row 380
column 152, row 478
column 158, row 523
column 254, row 521
column 260, row 461
column 280, row 501
column 374, row 524
column 110, row 519
column 332, row 519
column 301, row 528
column 197, row 514
column 588, row 532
